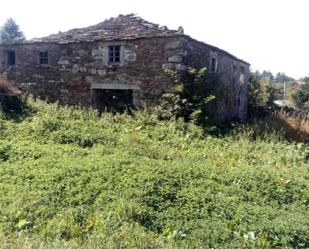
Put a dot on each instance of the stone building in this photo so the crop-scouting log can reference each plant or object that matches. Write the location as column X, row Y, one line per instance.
column 118, row 62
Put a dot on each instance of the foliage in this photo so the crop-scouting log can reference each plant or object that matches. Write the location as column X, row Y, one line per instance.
column 261, row 94
column 284, row 124
column 194, row 96
column 10, row 96
column 282, row 77
column 301, row 96
column 291, row 89
column 269, row 88
column 265, row 74
column 10, row 32
column 70, row 178
column 6, row 86
column 267, row 91
column 255, row 94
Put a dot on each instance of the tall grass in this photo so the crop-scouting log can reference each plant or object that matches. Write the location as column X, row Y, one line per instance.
column 297, row 120
column 71, row 178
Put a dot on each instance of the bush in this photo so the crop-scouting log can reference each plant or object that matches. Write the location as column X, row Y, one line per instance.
column 9, row 95
column 301, row 96
column 70, row 178
column 193, row 98
column 7, row 87
column 261, row 95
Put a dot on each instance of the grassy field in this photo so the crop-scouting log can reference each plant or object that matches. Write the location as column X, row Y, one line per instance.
column 72, row 179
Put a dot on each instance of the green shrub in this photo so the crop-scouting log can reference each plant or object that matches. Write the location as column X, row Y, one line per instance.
column 70, row 178
column 301, row 96
column 193, row 98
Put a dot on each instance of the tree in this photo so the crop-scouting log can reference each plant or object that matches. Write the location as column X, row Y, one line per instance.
column 301, row 96
column 261, row 94
column 255, row 94
column 267, row 74
column 268, row 91
column 282, row 77
column 10, row 32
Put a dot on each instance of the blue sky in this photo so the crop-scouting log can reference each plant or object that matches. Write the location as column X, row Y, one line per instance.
column 270, row 34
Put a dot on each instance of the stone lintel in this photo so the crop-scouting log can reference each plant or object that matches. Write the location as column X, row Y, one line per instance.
column 114, row 86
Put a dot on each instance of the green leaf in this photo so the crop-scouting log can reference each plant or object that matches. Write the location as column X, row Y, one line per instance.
column 21, row 224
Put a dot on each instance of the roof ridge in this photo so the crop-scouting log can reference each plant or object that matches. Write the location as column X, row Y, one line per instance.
column 120, row 27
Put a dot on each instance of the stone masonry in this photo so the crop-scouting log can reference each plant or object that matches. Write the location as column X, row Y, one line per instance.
column 120, row 61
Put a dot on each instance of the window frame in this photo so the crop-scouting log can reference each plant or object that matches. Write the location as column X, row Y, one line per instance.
column 242, row 77
column 213, row 66
column 114, row 54
column 242, row 70
column 43, row 58
column 8, row 58
column 234, row 73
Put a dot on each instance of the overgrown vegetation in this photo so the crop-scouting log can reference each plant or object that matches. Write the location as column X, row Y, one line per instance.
column 265, row 88
column 261, row 94
column 301, row 96
column 291, row 127
column 194, row 97
column 70, row 178
column 10, row 96
column 6, row 86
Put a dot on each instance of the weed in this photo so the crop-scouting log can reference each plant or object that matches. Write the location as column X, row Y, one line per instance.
column 70, row 178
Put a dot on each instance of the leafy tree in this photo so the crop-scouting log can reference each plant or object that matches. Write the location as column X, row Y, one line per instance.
column 10, row 32
column 268, row 91
column 255, row 96
column 301, row 96
column 271, row 96
column 261, row 94
column 282, row 77
column 267, row 74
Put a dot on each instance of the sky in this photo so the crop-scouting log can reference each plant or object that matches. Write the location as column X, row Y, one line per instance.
column 269, row 34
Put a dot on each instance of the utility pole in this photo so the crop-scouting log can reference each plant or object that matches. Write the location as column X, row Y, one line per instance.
column 283, row 102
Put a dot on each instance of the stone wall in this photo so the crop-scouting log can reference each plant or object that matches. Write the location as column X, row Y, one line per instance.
column 233, row 72
column 75, row 70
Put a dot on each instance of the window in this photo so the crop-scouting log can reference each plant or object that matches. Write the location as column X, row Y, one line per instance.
column 43, row 58
column 114, row 54
column 234, row 71
column 213, row 66
column 234, row 74
column 242, row 69
column 242, row 75
column 10, row 58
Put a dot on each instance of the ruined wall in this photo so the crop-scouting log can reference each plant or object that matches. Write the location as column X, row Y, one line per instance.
column 27, row 72
column 233, row 72
column 75, row 70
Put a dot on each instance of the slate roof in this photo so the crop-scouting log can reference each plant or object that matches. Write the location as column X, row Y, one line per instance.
column 123, row 27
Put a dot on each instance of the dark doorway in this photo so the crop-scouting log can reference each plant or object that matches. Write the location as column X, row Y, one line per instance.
column 112, row 100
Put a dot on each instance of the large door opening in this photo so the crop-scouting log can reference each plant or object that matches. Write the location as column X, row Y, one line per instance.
column 112, row 100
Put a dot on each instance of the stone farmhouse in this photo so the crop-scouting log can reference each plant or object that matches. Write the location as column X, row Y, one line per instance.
column 117, row 63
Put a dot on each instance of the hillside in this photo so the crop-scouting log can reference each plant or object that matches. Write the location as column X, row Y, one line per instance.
column 72, row 179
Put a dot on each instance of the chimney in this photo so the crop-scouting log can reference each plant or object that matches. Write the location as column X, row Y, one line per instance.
column 180, row 30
